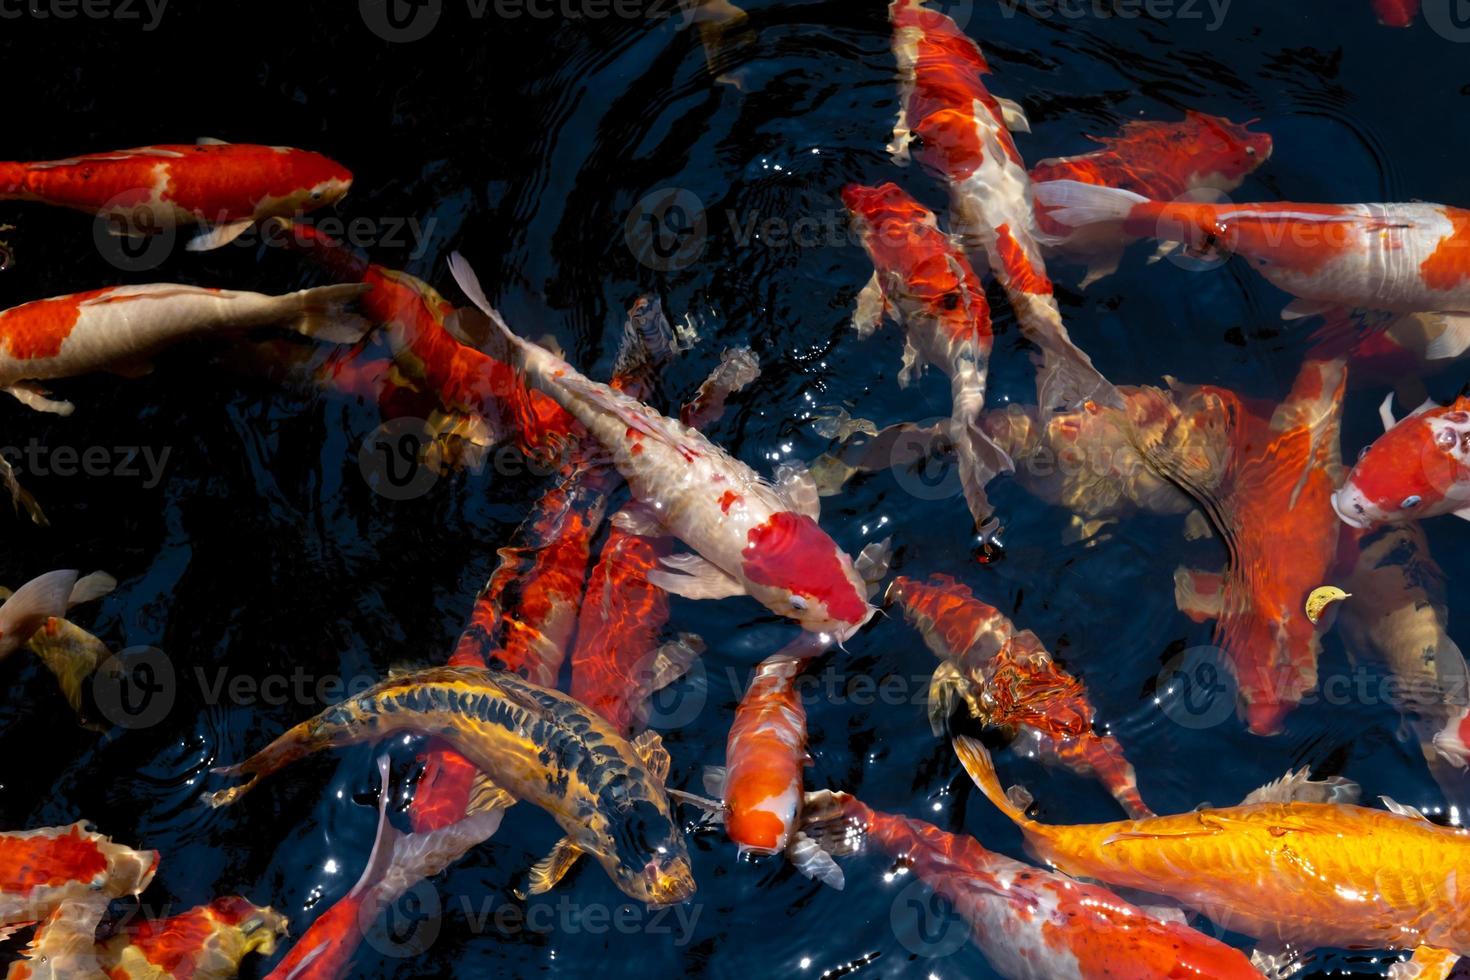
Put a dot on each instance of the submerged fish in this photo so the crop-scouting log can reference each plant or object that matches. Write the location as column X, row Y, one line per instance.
column 1401, row 258
column 205, row 943
column 120, row 328
column 1396, row 13
column 962, row 137
column 539, row 746
column 68, row 651
column 923, row 281
column 1008, row 680
column 748, row 536
column 224, row 187
column 1272, row 505
column 398, row 862
column 1418, row 468
column 1030, row 924
column 1303, row 874
column 1159, row 160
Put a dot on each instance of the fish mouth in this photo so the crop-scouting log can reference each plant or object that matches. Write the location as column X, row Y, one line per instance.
column 1355, row 520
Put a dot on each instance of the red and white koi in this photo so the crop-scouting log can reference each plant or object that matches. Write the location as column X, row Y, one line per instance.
column 923, row 281
column 223, row 187
column 748, row 536
column 964, row 139
column 1418, row 468
column 120, row 328
column 1030, row 923
column 1163, row 161
column 1400, row 258
column 205, row 943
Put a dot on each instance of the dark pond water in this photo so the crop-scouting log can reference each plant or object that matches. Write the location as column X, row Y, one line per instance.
column 260, row 552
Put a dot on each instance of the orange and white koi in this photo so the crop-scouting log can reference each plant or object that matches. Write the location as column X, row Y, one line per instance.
column 64, row 878
column 963, row 138
column 1418, row 468
column 1271, row 502
column 1160, row 160
column 397, row 862
column 120, row 328
column 617, row 661
column 923, row 281
column 1009, row 681
column 761, row 781
column 1306, row 874
column 1030, row 923
column 205, row 943
column 223, row 187
column 1400, row 258
column 747, row 536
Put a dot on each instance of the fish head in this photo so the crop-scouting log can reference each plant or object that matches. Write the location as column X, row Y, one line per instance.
column 319, row 182
column 1419, row 468
column 796, row 570
column 1221, row 153
column 885, row 217
column 649, row 859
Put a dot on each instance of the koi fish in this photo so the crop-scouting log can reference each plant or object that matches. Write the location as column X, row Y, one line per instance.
column 1272, row 505
column 1400, row 258
column 761, row 781
column 1160, row 160
column 923, row 281
column 205, row 943
column 1030, row 923
column 964, row 139
column 1396, row 13
column 1389, row 348
column 397, row 862
column 539, row 746
column 1418, row 468
column 1397, row 618
column 1298, row 873
column 1008, row 680
column 64, row 878
column 119, row 328
column 223, row 187
column 68, row 651
column 617, row 661
column 747, row 536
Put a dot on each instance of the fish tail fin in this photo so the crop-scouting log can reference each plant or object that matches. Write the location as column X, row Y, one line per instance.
column 321, row 313
column 469, row 284
column 1076, row 204
column 296, row 743
column 1067, row 379
column 27, row 610
column 978, row 764
column 981, row 460
column 20, row 497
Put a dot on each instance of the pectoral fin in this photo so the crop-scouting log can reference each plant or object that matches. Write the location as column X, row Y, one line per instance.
column 650, row 749
column 32, row 395
column 485, row 796
column 217, row 236
column 807, row 856
column 796, row 483
column 1453, row 340
column 1014, row 116
column 1199, row 595
column 870, row 306
column 693, row 577
column 544, row 875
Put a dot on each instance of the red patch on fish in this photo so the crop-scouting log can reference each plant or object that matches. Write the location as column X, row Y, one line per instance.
column 37, row 330
column 791, row 552
column 39, row 861
column 1449, row 266
column 1022, row 274
column 727, row 498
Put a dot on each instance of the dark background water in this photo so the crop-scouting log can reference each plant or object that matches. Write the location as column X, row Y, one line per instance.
column 527, row 143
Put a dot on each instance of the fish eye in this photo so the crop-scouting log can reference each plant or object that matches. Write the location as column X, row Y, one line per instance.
column 1410, row 501
column 1250, row 151
column 1446, row 439
column 797, row 602
column 316, row 195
